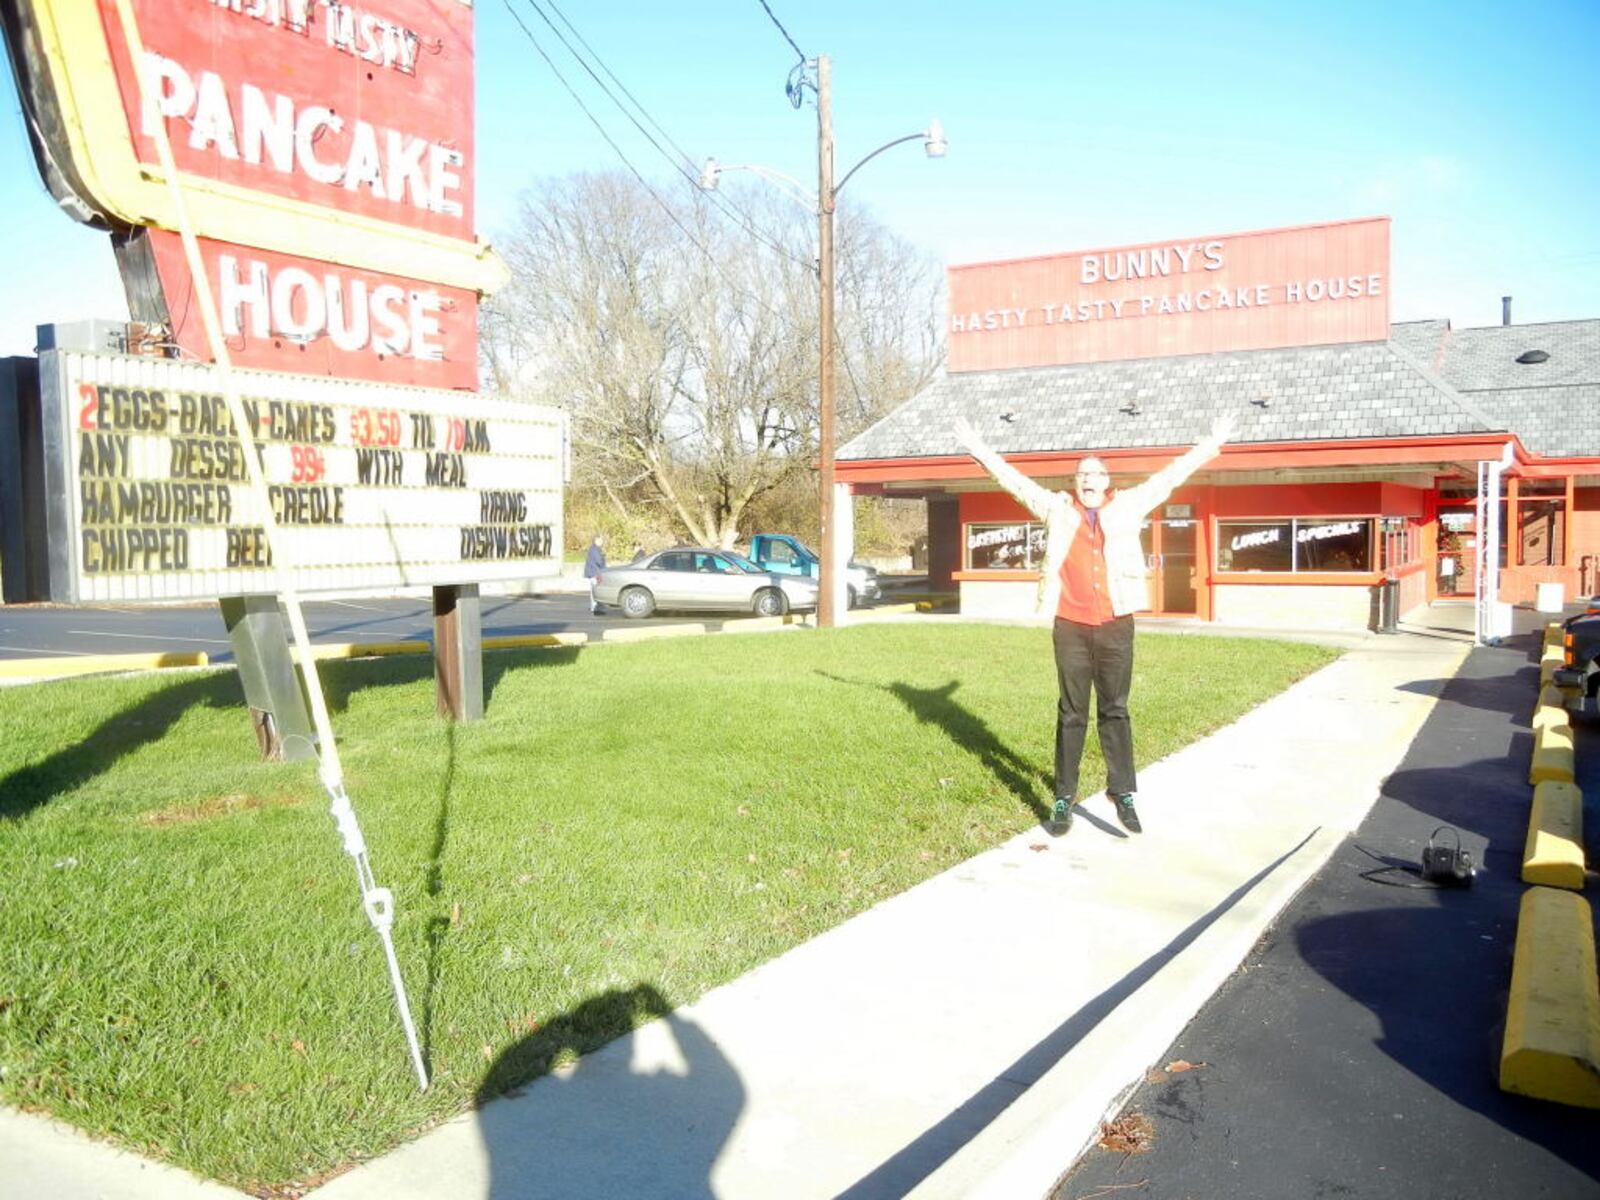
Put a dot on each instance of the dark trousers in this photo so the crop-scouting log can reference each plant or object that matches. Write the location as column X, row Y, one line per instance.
column 1101, row 655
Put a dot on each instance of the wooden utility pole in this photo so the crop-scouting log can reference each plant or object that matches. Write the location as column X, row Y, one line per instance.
column 830, row 564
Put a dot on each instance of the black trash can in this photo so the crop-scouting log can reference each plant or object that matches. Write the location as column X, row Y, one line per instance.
column 1389, row 605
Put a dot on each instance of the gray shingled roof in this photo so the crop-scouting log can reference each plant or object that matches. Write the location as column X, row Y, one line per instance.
column 1368, row 389
column 1557, row 422
column 1553, row 406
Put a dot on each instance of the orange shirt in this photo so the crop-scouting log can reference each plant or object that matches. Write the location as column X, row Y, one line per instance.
column 1085, row 591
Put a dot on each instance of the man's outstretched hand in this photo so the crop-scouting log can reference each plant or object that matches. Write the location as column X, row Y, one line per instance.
column 1225, row 428
column 966, row 434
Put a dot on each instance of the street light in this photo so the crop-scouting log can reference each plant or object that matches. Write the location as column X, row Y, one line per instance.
column 831, row 590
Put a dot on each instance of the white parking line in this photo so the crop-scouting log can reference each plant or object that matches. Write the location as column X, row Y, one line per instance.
column 146, row 637
column 348, row 604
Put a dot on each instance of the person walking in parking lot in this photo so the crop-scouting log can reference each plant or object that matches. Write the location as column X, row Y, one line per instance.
column 593, row 564
column 1092, row 582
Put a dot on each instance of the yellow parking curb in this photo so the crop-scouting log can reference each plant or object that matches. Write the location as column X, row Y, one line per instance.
column 1552, row 754
column 1553, row 657
column 522, row 640
column 1551, row 709
column 324, row 650
column 787, row 621
column 646, row 632
column 1552, row 1043
column 1555, row 635
column 1553, row 855
column 97, row 664
column 1552, row 695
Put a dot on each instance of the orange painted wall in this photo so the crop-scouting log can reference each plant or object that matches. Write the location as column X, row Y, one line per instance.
column 1129, row 301
column 1300, row 500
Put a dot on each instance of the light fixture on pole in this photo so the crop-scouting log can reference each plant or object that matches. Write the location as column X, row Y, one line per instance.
column 831, row 592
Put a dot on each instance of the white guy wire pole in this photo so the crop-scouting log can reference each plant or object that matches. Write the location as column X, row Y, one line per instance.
column 825, row 205
column 377, row 901
column 1491, row 627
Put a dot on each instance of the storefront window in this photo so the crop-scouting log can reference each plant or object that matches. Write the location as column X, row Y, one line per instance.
column 1295, row 545
column 1541, row 528
column 1255, row 545
column 1000, row 547
column 1400, row 546
column 1333, row 545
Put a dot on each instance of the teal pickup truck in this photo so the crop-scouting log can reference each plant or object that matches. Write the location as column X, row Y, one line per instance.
column 784, row 554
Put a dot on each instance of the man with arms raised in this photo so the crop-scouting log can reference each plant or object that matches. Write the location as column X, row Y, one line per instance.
column 1092, row 581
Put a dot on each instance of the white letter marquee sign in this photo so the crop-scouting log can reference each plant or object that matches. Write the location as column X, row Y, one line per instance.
column 372, row 486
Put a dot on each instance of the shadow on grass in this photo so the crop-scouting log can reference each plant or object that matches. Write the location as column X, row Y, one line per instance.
column 128, row 730
column 121, row 733
column 651, row 1126
column 343, row 679
column 438, row 924
column 936, row 706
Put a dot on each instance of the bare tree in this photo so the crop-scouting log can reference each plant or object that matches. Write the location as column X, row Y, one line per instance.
column 685, row 347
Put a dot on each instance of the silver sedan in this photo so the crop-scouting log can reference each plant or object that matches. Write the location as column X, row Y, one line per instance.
column 694, row 577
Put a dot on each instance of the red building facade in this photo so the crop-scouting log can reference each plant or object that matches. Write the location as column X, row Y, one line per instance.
column 1368, row 453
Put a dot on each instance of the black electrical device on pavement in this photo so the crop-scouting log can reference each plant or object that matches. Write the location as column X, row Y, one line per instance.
column 1444, row 862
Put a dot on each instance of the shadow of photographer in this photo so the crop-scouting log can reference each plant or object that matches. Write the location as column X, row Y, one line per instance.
column 646, row 1115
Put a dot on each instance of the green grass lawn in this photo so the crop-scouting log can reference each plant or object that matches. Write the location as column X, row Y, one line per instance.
column 184, row 964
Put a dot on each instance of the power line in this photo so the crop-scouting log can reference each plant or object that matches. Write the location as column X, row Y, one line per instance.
column 654, row 195
column 601, row 130
column 686, row 166
column 684, row 154
column 782, row 30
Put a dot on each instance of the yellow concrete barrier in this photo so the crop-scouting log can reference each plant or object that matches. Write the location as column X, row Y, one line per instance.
column 1552, row 754
column 1552, row 1043
column 1549, row 714
column 522, row 640
column 368, row 649
column 97, row 664
column 1553, row 855
column 1553, row 696
column 1553, row 657
column 646, row 632
column 1555, row 635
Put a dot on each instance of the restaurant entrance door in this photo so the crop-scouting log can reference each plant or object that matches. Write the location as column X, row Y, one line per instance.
column 1169, row 547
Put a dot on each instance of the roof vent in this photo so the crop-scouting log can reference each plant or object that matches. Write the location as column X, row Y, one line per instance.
column 1527, row 357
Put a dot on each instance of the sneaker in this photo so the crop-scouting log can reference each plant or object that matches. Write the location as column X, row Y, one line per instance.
column 1060, row 818
column 1126, row 813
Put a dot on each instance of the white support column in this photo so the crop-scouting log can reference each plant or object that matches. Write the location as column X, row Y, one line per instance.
column 844, row 535
column 1493, row 620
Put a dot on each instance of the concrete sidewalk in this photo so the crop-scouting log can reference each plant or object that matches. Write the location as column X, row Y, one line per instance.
column 966, row 1037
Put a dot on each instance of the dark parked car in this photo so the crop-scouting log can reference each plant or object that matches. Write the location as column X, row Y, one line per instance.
column 700, row 578
column 1583, row 651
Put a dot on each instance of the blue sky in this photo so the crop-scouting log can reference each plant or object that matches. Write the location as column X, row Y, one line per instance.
column 1070, row 127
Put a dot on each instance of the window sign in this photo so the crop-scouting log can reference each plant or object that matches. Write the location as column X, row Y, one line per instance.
column 1015, row 546
column 1333, row 545
column 1338, row 544
column 1255, row 546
